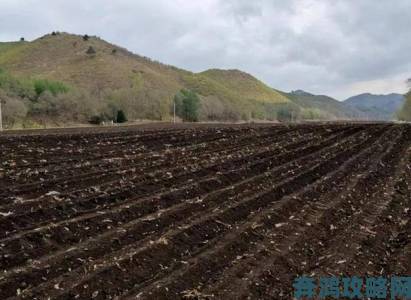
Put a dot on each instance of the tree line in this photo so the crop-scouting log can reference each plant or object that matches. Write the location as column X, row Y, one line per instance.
column 42, row 102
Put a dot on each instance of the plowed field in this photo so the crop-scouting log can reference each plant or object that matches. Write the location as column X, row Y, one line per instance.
column 224, row 212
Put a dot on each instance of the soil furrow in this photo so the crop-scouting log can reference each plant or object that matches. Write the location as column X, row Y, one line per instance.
column 232, row 192
column 204, row 229
column 74, row 207
column 309, row 252
column 238, row 250
column 171, row 211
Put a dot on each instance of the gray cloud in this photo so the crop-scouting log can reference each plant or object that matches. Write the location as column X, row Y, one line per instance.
column 333, row 47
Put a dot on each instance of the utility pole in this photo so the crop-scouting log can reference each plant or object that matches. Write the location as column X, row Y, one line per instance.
column 174, row 111
column 1, row 119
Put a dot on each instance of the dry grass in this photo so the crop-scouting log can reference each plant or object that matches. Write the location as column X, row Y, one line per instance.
column 63, row 57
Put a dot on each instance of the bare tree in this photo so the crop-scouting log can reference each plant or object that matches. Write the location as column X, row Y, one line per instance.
column 12, row 110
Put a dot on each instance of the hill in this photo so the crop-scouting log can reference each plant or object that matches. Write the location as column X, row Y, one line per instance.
column 254, row 98
column 377, row 107
column 322, row 107
column 245, row 85
column 64, row 57
column 106, row 78
column 63, row 78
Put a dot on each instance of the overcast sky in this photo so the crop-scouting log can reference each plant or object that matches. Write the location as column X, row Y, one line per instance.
column 339, row 48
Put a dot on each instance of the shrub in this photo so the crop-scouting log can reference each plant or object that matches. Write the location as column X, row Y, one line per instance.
column 14, row 110
column 54, row 87
column 121, row 117
column 90, row 51
column 85, row 37
column 138, row 103
column 76, row 105
column 288, row 112
column 187, row 105
column 96, row 119
column 16, row 87
column 45, row 105
column 214, row 109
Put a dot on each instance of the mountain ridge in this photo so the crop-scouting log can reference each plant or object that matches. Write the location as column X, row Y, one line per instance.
column 377, row 106
column 325, row 107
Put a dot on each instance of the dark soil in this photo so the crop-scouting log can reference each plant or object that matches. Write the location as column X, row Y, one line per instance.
column 201, row 212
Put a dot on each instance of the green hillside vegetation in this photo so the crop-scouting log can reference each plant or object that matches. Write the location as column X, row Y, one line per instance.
column 33, row 102
column 63, row 78
column 252, row 98
column 245, row 86
column 187, row 105
column 405, row 112
column 9, row 46
column 10, row 50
